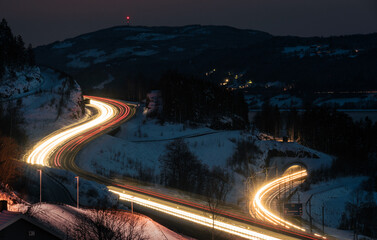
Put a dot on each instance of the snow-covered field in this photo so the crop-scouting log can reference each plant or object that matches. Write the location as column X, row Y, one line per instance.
column 139, row 144
column 362, row 101
column 287, row 101
column 88, row 57
column 319, row 50
column 333, row 196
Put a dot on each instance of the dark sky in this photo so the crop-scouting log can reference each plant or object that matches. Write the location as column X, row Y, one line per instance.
column 45, row 21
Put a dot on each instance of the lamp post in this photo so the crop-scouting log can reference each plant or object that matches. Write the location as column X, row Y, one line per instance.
column 132, row 206
column 77, row 177
column 40, row 185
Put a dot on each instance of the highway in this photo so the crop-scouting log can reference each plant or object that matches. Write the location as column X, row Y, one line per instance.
column 60, row 148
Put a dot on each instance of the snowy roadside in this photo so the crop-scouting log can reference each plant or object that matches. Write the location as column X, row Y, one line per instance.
column 65, row 220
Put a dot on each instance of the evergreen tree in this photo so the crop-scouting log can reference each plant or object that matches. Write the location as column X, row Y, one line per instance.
column 13, row 54
column 199, row 101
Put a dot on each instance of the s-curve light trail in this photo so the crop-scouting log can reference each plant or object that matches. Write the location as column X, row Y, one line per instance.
column 110, row 112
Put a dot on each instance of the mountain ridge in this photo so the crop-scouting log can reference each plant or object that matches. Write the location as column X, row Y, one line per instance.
column 127, row 61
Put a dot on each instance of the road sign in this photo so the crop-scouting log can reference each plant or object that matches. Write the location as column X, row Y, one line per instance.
column 293, row 209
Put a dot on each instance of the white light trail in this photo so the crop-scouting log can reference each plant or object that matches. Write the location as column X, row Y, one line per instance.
column 196, row 218
column 269, row 191
column 263, row 192
column 41, row 153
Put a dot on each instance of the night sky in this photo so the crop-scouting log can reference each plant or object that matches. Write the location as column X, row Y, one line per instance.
column 45, row 21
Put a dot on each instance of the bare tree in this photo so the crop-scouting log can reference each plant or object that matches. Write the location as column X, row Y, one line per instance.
column 180, row 168
column 217, row 188
column 109, row 225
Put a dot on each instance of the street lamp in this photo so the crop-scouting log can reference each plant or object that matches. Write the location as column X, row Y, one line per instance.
column 40, row 185
column 77, row 177
column 132, row 206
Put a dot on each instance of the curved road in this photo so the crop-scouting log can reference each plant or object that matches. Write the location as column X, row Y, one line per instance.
column 60, row 148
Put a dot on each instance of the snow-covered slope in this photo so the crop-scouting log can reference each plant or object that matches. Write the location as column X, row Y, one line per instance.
column 44, row 98
column 134, row 49
column 15, row 84
column 63, row 219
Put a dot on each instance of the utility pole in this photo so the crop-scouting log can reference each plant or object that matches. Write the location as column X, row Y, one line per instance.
column 40, row 185
column 77, row 177
column 323, row 218
column 310, row 214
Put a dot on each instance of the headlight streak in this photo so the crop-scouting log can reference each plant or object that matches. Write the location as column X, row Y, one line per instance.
column 123, row 109
column 202, row 220
column 263, row 212
column 270, row 191
column 44, row 149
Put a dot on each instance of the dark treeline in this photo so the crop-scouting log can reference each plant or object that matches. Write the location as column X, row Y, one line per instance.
column 13, row 53
column 181, row 169
column 353, row 143
column 196, row 100
column 131, row 88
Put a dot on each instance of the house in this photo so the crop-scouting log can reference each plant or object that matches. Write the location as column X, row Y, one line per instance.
column 15, row 225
